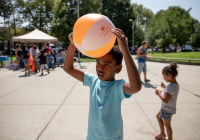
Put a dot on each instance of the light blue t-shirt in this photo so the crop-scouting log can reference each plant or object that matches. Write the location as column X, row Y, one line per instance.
column 105, row 120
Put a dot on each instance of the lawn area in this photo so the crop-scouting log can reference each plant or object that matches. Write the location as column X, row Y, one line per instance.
column 189, row 55
column 87, row 59
column 186, row 55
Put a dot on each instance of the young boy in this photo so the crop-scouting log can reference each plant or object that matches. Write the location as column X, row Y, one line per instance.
column 43, row 62
column 106, row 93
column 63, row 54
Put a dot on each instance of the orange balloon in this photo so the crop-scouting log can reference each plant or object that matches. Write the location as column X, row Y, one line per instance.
column 92, row 35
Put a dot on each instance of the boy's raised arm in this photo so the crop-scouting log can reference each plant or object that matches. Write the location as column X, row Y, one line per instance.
column 69, row 61
column 134, row 84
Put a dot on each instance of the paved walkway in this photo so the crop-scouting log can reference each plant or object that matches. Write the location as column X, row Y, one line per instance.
column 55, row 106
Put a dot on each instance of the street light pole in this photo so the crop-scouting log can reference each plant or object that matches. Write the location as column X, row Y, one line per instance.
column 77, row 19
column 133, row 30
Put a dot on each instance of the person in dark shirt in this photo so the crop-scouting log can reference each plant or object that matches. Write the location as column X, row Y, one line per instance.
column 25, row 54
column 18, row 54
column 43, row 61
column 44, row 48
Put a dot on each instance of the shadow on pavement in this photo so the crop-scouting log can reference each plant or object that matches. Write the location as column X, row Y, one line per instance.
column 148, row 85
column 24, row 75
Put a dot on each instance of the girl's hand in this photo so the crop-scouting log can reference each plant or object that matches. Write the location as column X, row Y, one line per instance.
column 158, row 91
column 71, row 38
column 121, row 39
column 163, row 85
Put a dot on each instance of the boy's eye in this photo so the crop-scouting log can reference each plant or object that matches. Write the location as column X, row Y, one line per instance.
column 97, row 62
column 106, row 64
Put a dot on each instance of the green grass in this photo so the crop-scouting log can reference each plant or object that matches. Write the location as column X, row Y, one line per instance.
column 186, row 55
column 87, row 59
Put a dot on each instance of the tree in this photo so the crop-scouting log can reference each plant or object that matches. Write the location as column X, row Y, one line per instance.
column 138, row 35
column 6, row 8
column 174, row 24
column 38, row 14
column 119, row 12
column 65, row 16
column 143, row 14
column 195, row 37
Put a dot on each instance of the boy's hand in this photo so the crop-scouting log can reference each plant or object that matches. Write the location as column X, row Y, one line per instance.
column 71, row 38
column 134, row 84
column 121, row 39
column 158, row 91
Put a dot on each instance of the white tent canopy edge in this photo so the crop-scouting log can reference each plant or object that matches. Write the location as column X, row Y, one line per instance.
column 34, row 36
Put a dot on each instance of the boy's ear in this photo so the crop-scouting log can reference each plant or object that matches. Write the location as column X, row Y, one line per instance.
column 119, row 68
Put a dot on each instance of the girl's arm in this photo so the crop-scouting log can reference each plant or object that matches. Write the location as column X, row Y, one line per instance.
column 164, row 99
column 69, row 61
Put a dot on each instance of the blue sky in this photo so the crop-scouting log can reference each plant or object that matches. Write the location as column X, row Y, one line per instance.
column 157, row 5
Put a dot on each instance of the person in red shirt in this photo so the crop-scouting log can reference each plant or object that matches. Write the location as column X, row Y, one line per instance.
column 48, row 54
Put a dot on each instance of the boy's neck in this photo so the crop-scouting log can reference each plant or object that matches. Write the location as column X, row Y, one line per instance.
column 113, row 79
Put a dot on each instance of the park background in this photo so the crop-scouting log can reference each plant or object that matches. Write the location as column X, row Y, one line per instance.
column 171, row 27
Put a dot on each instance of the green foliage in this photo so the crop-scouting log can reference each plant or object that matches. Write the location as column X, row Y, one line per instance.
column 138, row 36
column 174, row 25
column 37, row 13
column 65, row 16
column 195, row 37
column 6, row 8
column 119, row 12
column 143, row 14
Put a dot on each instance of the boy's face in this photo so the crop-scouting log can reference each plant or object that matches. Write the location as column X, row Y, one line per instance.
column 106, row 68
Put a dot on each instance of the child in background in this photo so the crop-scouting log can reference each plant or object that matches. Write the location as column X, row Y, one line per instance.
column 168, row 100
column 43, row 62
column 62, row 54
column 106, row 93
column 35, row 59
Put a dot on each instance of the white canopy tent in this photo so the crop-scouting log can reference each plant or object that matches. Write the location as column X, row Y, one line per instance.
column 34, row 36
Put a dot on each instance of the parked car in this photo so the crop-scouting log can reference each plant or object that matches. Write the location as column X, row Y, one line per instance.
column 186, row 48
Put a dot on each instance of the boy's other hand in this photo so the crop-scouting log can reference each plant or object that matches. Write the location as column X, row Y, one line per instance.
column 71, row 38
column 121, row 39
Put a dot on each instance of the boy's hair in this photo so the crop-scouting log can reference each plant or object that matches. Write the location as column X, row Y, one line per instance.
column 171, row 70
column 34, row 47
column 116, row 55
column 42, row 52
column 144, row 42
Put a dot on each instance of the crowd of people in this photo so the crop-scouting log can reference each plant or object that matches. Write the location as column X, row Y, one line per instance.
column 34, row 59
